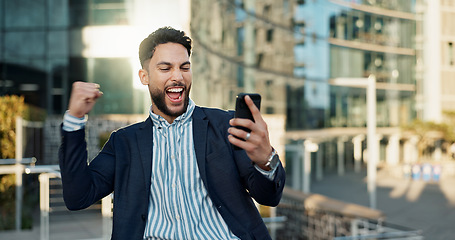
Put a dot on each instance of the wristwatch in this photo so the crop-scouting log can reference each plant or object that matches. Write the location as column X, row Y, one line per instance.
column 273, row 159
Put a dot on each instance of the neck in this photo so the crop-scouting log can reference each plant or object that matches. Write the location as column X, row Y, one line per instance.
column 169, row 119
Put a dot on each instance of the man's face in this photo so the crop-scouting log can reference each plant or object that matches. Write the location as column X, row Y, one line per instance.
column 169, row 80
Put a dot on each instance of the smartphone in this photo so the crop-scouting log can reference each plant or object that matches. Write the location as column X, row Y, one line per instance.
column 243, row 111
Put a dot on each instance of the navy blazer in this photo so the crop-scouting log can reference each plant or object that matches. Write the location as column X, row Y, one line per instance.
column 124, row 166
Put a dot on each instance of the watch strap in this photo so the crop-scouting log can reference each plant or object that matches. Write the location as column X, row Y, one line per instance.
column 270, row 158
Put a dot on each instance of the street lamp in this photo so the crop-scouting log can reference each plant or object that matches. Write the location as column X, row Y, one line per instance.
column 372, row 147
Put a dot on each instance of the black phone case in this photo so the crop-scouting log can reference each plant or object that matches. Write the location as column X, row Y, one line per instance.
column 242, row 110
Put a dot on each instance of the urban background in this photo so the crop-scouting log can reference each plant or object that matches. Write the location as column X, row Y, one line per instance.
column 355, row 167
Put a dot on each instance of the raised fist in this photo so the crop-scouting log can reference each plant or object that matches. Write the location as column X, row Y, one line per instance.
column 83, row 98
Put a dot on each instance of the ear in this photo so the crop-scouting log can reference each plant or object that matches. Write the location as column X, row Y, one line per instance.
column 144, row 76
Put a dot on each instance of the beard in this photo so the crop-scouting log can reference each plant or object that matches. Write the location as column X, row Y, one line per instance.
column 159, row 99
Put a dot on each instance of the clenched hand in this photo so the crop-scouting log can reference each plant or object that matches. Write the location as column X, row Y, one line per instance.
column 83, row 98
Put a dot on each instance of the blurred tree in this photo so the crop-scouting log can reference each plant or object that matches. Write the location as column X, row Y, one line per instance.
column 10, row 108
column 429, row 133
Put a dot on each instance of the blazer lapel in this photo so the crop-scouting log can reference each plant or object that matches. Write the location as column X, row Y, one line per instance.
column 144, row 137
column 200, row 126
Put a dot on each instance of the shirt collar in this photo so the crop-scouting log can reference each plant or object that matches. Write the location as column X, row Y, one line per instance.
column 185, row 117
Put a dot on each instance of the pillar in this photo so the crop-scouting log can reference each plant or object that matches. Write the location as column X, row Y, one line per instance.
column 306, row 168
column 319, row 164
column 357, row 141
column 341, row 156
column 410, row 154
column 393, row 150
column 308, row 147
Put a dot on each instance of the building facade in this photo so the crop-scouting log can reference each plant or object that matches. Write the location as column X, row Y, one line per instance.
column 242, row 46
column 292, row 52
column 353, row 39
column 343, row 41
column 436, row 59
column 34, row 52
column 46, row 45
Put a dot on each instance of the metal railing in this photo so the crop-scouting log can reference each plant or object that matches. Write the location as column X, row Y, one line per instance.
column 17, row 167
column 50, row 193
column 315, row 217
column 381, row 230
column 51, row 201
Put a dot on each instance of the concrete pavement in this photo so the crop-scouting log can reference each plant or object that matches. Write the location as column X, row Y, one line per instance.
column 81, row 225
column 420, row 205
column 429, row 207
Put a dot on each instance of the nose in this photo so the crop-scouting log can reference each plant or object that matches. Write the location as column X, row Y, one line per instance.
column 177, row 75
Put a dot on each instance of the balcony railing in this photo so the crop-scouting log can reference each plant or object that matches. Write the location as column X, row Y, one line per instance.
column 316, row 217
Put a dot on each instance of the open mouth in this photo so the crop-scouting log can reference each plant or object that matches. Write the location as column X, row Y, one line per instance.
column 174, row 93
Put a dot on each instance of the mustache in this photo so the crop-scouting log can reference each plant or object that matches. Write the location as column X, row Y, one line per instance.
column 176, row 85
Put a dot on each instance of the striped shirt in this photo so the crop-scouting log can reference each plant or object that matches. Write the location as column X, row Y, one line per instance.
column 71, row 123
column 179, row 207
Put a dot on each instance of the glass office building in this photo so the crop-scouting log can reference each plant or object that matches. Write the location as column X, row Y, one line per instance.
column 34, row 54
column 353, row 39
column 346, row 40
column 46, row 45
column 296, row 50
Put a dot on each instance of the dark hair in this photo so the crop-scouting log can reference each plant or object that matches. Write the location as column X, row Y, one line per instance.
column 161, row 36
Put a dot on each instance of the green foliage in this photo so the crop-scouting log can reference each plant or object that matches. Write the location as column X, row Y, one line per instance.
column 7, row 202
column 432, row 129
column 10, row 108
column 32, row 113
column 429, row 132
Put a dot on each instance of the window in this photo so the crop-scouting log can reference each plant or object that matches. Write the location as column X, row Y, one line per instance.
column 270, row 35
column 267, row 11
column 299, row 31
column 108, row 12
column 240, row 40
column 240, row 76
column 240, row 14
column 269, row 89
column 451, row 60
column 286, row 9
column 259, row 59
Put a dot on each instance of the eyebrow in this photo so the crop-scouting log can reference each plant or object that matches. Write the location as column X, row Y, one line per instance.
column 170, row 64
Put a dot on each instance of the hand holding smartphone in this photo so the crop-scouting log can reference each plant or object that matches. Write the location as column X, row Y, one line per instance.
column 255, row 141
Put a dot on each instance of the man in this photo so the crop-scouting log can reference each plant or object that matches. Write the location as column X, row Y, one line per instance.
column 176, row 175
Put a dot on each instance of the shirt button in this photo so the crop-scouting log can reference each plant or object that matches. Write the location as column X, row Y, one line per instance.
column 173, row 185
column 177, row 217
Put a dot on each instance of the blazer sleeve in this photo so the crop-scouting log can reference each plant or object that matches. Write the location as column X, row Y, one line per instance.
column 262, row 189
column 83, row 183
column 265, row 191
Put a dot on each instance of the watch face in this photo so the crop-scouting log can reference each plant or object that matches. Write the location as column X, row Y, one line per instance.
column 275, row 161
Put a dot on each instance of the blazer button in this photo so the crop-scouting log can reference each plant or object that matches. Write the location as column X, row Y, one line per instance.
column 143, row 217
